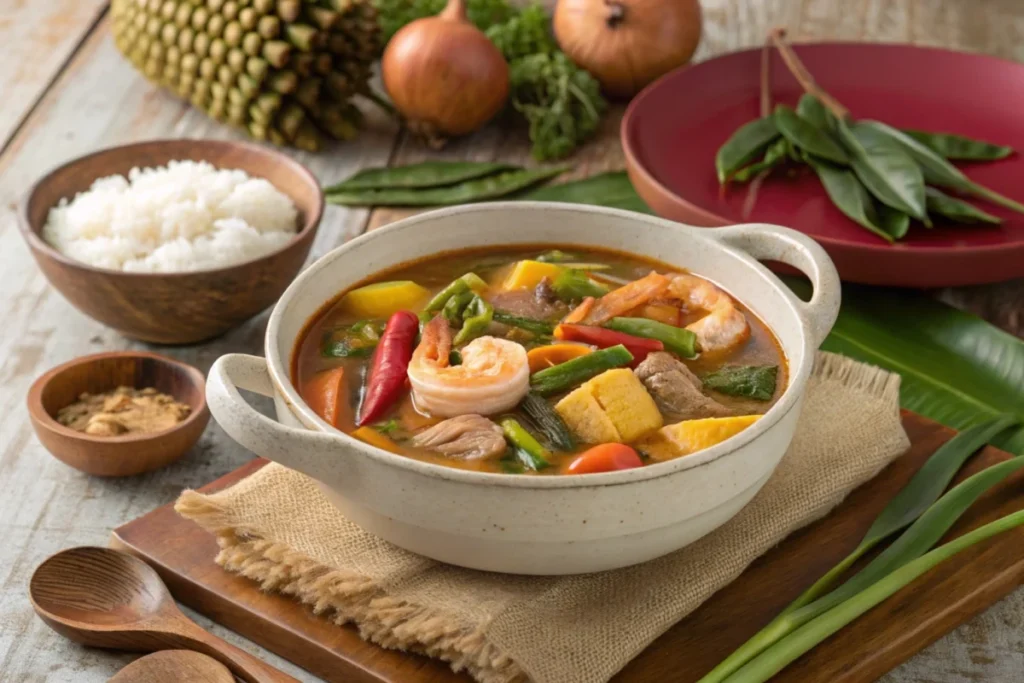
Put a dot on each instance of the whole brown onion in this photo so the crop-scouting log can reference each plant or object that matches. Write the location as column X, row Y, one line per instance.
column 444, row 75
column 626, row 44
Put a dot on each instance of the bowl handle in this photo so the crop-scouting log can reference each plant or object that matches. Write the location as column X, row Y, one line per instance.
column 764, row 241
column 298, row 449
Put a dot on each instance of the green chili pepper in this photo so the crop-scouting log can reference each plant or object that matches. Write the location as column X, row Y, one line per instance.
column 850, row 197
column 776, row 155
column 532, row 454
column 578, row 370
column 941, row 204
column 959, row 147
column 476, row 318
column 573, row 284
column 453, row 309
column 745, row 145
column 465, row 283
column 890, row 174
column 418, row 176
column 808, row 137
column 490, row 187
column 528, row 324
column 936, row 170
column 678, row 340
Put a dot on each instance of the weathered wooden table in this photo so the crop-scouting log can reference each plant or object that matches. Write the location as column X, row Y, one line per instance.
column 66, row 91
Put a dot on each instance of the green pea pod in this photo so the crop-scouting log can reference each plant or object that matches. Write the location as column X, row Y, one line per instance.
column 490, row 187
column 426, row 174
column 808, row 137
column 937, row 171
column 886, row 170
column 958, row 147
column 776, row 155
column 941, row 204
column 811, row 109
column 850, row 197
column 746, row 144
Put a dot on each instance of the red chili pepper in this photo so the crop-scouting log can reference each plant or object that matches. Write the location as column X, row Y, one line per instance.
column 389, row 366
column 602, row 338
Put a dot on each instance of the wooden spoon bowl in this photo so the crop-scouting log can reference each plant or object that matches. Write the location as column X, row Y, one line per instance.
column 174, row 308
column 104, row 598
column 174, row 666
column 117, row 456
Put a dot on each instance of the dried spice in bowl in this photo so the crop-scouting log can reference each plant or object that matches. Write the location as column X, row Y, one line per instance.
column 123, row 410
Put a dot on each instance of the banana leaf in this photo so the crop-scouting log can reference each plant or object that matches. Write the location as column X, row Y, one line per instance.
column 957, row 369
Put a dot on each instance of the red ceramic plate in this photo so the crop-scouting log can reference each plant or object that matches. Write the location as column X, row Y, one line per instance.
column 673, row 129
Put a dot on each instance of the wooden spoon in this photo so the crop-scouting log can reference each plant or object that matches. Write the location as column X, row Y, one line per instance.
column 105, row 598
column 174, row 666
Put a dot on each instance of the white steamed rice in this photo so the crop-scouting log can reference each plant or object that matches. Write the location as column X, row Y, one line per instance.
column 183, row 217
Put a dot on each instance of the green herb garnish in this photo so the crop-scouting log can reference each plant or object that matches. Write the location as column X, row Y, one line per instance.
column 749, row 381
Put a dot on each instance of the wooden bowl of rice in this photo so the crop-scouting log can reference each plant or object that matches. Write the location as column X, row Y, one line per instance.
column 229, row 282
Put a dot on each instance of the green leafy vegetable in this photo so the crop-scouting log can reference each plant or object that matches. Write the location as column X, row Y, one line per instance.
column 389, row 427
column 745, row 145
column 807, row 136
column 524, row 34
column 749, row 381
column 354, row 341
column 810, row 108
column 886, row 170
column 394, row 14
column 941, row 204
column 573, row 285
column 548, row 422
column 851, row 197
column 958, row 147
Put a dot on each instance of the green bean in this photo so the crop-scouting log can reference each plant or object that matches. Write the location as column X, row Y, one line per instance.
column 678, row 340
column 465, row 283
column 548, row 421
column 490, row 187
column 745, row 145
column 528, row 324
column 578, row 370
column 573, row 285
column 418, row 176
column 476, row 318
column 941, row 204
column 808, row 137
column 960, row 148
column 536, row 456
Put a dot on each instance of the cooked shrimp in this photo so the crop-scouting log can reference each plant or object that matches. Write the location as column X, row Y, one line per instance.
column 724, row 327
column 625, row 298
column 493, row 377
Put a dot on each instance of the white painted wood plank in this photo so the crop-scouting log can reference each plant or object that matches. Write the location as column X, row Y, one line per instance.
column 38, row 38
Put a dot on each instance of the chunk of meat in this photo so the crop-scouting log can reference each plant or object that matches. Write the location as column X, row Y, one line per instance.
column 678, row 392
column 529, row 303
column 466, row 437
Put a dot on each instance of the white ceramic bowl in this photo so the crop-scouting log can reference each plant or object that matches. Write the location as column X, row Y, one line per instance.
column 529, row 524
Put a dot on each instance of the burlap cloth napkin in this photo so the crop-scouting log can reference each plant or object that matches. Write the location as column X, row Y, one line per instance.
column 276, row 528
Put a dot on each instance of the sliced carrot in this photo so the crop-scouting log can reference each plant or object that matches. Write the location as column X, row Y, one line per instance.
column 326, row 394
column 374, row 438
column 608, row 457
column 627, row 297
column 580, row 312
column 554, row 354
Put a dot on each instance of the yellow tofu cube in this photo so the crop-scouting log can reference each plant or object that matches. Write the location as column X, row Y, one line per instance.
column 585, row 417
column 690, row 436
column 381, row 299
column 528, row 274
column 626, row 402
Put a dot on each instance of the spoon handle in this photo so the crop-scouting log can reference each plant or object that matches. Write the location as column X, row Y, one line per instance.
column 247, row 667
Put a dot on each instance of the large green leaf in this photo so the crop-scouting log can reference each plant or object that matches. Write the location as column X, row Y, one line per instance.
column 957, row 369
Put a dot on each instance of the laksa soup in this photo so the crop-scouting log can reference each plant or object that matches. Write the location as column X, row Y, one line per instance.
column 539, row 361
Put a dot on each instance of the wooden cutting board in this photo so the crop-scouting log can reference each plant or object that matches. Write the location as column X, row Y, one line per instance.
column 883, row 638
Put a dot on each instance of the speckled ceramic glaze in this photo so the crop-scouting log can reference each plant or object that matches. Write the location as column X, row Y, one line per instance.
column 530, row 524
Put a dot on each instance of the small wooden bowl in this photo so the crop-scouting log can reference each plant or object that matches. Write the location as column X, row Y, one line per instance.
column 117, row 456
column 174, row 308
